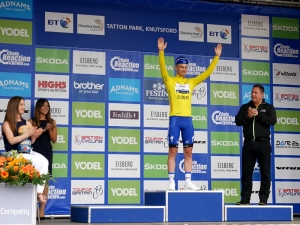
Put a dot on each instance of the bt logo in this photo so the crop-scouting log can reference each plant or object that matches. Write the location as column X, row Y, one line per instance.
column 64, row 22
column 223, row 33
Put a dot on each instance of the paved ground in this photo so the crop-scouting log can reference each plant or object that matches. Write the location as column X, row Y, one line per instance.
column 68, row 222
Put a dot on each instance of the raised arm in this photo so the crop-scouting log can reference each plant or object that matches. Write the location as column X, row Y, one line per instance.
column 203, row 76
column 161, row 44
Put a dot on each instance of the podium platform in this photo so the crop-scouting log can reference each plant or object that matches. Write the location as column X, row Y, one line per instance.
column 258, row 213
column 188, row 206
column 117, row 214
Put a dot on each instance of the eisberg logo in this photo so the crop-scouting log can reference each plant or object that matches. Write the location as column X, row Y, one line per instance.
column 14, row 58
column 123, row 64
column 281, row 50
column 222, row 118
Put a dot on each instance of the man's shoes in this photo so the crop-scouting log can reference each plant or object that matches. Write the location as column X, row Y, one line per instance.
column 262, row 203
column 243, row 202
column 191, row 187
column 171, row 187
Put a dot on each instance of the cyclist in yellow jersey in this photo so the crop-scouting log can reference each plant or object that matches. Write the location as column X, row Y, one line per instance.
column 180, row 97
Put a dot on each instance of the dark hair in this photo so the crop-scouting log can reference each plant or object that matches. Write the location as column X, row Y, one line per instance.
column 261, row 88
column 12, row 112
column 36, row 117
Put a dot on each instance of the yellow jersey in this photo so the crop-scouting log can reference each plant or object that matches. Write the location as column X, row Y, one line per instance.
column 180, row 89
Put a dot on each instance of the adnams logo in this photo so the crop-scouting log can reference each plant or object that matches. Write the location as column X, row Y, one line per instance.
column 12, row 84
column 59, row 22
column 16, row 9
column 126, row 90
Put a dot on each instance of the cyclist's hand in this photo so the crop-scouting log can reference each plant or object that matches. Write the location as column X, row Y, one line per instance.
column 161, row 44
column 218, row 50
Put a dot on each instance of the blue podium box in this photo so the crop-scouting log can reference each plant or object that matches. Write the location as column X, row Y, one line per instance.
column 258, row 213
column 117, row 214
column 189, row 206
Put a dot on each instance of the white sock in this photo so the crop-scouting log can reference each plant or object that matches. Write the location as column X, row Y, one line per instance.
column 171, row 178
column 188, row 177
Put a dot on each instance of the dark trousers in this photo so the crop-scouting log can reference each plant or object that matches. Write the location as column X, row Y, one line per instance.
column 261, row 151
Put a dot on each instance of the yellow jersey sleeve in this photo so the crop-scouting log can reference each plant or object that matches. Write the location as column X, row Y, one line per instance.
column 162, row 64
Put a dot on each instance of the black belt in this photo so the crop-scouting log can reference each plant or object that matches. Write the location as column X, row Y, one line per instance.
column 256, row 139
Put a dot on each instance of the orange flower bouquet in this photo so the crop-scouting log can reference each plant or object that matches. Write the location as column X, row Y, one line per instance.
column 18, row 171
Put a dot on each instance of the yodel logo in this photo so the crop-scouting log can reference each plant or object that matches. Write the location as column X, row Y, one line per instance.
column 224, row 94
column 287, row 121
column 88, row 113
column 124, row 140
column 88, row 165
column 228, row 191
column 124, row 192
column 15, row 32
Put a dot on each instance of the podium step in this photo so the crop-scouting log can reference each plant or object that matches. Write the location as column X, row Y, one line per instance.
column 189, row 206
column 258, row 213
column 117, row 214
